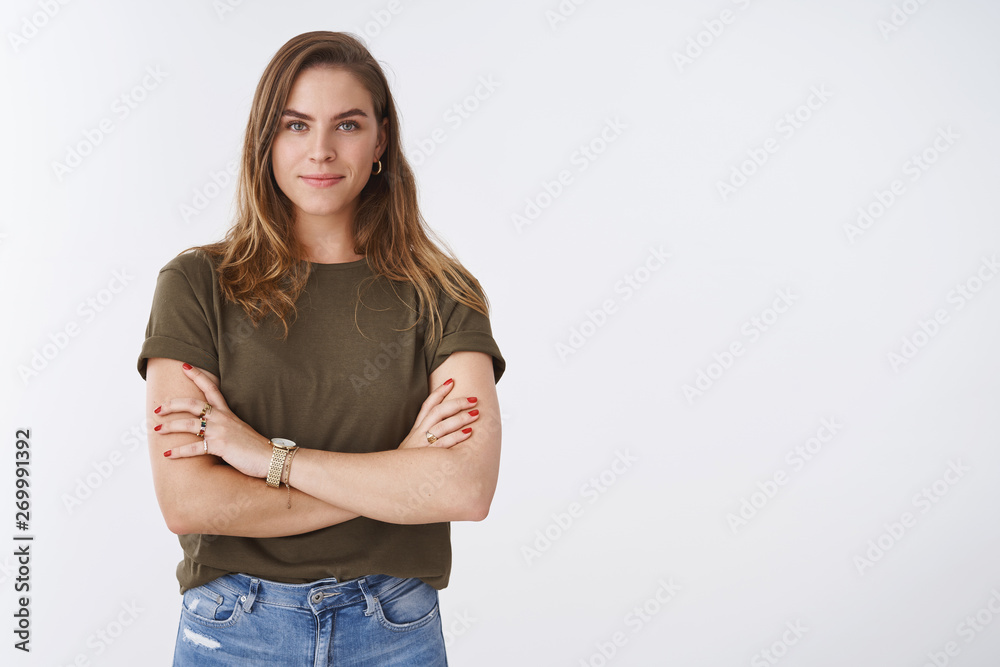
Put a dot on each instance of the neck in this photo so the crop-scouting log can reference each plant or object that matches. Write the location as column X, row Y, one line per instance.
column 324, row 241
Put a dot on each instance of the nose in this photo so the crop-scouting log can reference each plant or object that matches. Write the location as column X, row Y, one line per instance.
column 323, row 146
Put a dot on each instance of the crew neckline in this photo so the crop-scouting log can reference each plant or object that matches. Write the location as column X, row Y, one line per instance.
column 339, row 266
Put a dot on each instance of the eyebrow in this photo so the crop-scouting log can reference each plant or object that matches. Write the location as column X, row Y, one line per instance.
column 292, row 113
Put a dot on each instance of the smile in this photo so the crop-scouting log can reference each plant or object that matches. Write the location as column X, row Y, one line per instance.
column 321, row 181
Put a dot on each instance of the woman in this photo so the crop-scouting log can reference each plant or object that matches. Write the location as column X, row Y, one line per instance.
column 327, row 318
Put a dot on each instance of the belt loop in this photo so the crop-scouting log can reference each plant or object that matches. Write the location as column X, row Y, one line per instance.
column 249, row 598
column 369, row 598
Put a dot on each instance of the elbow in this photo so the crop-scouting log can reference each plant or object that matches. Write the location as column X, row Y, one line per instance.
column 171, row 510
column 477, row 505
column 183, row 516
column 177, row 521
column 478, row 512
column 475, row 496
column 177, row 528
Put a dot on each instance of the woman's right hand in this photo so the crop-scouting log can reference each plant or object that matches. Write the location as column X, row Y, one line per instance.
column 449, row 421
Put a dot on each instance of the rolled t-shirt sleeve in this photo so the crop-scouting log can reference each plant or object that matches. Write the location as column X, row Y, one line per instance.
column 465, row 329
column 181, row 320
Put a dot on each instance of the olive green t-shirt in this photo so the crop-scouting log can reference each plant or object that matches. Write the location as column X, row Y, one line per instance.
column 327, row 386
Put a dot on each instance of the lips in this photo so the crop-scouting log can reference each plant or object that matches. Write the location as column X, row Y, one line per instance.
column 322, row 180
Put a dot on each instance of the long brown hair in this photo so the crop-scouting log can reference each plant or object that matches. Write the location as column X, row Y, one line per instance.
column 259, row 260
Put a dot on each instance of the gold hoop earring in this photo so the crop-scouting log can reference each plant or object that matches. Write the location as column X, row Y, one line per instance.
column 379, row 171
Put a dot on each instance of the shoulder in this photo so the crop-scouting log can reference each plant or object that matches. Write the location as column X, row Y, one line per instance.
column 193, row 262
column 191, row 274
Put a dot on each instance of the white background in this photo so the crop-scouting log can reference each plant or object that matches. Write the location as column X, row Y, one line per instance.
column 596, row 372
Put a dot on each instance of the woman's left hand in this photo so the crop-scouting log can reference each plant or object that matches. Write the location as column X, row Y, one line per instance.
column 226, row 435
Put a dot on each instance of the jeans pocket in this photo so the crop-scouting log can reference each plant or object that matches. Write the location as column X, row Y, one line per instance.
column 212, row 604
column 410, row 605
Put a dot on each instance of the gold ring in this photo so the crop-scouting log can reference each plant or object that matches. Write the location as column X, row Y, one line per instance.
column 431, row 438
column 205, row 411
column 204, row 425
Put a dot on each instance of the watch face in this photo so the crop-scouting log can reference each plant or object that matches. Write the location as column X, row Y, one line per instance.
column 283, row 443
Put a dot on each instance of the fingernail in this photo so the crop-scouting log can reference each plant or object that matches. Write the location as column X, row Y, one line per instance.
column 187, row 366
column 448, row 381
column 157, row 410
column 473, row 399
column 473, row 412
column 466, row 430
column 158, row 427
column 167, row 453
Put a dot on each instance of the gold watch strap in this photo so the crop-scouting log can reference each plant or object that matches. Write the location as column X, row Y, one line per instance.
column 278, row 455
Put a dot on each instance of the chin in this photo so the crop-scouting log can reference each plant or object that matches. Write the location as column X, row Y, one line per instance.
column 319, row 209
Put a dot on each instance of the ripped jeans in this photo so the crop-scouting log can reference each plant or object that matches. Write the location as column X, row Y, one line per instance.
column 376, row 620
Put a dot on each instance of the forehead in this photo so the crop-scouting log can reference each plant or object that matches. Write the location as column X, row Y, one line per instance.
column 328, row 88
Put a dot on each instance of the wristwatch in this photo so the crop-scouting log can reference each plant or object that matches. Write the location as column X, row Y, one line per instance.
column 280, row 449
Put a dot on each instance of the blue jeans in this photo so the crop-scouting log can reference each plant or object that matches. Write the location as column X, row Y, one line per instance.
column 376, row 620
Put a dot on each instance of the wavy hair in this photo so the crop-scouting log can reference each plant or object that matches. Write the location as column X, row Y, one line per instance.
column 260, row 263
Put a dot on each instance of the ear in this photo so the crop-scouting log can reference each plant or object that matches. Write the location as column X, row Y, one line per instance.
column 383, row 138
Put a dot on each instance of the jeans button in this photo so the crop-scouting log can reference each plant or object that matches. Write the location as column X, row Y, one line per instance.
column 317, row 598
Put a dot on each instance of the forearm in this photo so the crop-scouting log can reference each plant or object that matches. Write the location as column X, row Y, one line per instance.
column 203, row 495
column 420, row 484
column 405, row 486
column 219, row 500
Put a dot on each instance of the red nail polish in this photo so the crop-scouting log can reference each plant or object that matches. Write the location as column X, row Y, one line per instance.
column 473, row 412
column 187, row 366
column 473, row 399
column 157, row 410
column 158, row 427
column 449, row 380
column 466, row 430
column 167, row 453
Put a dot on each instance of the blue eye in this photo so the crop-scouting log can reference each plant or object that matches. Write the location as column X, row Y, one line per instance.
column 291, row 125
